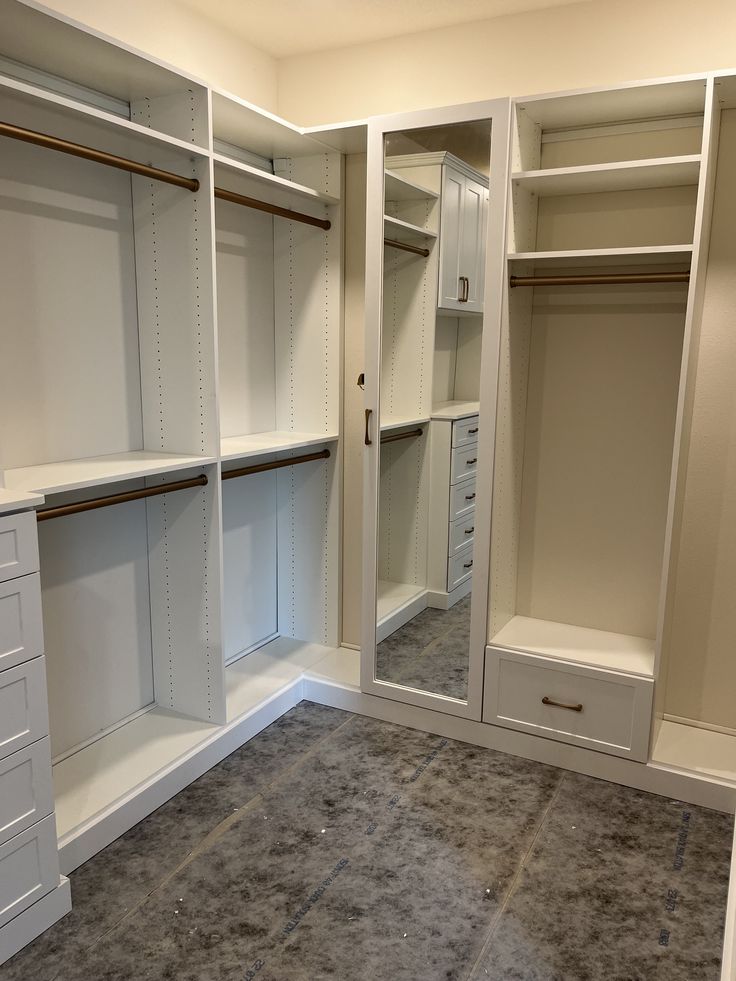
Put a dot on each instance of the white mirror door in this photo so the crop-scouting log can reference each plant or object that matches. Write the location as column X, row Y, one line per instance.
column 436, row 205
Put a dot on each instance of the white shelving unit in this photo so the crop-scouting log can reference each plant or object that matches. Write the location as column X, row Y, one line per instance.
column 405, row 231
column 626, row 175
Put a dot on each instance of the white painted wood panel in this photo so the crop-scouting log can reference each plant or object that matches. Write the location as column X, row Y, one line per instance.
column 21, row 626
column 18, row 545
column 26, row 792
column 24, row 714
column 29, row 868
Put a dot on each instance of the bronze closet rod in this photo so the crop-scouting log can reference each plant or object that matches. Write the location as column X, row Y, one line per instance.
column 135, row 495
column 271, row 209
column 405, row 247
column 600, row 279
column 98, row 156
column 395, row 437
column 275, row 464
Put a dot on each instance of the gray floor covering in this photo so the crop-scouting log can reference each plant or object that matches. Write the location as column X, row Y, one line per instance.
column 430, row 652
column 336, row 846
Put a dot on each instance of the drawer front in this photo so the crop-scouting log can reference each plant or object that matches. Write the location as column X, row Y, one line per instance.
column 29, row 868
column 26, row 790
column 464, row 462
column 462, row 533
column 462, row 499
column 21, row 622
column 18, row 545
column 465, row 431
column 597, row 709
column 459, row 568
column 23, row 706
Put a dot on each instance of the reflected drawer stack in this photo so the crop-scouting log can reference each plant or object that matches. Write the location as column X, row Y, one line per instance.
column 29, row 864
column 461, row 531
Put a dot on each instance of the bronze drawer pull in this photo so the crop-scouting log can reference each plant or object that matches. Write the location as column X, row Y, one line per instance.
column 472, row 432
column 470, row 497
column 469, row 565
column 561, row 705
column 469, row 531
column 474, row 460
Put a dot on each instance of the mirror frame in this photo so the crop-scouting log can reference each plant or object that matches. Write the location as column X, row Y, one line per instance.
column 498, row 112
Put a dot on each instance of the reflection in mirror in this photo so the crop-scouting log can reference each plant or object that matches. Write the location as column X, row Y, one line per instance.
column 436, row 207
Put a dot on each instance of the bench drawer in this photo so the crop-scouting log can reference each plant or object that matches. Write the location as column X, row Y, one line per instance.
column 21, row 621
column 589, row 707
column 18, row 545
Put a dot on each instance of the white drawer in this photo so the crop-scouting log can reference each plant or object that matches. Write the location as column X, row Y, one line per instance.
column 26, row 790
column 459, row 568
column 462, row 533
column 21, row 622
column 462, row 499
column 464, row 462
column 23, row 706
column 29, row 868
column 18, row 545
column 465, row 431
column 572, row 703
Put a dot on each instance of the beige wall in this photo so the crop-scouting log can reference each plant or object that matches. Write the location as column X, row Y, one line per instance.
column 581, row 45
column 165, row 30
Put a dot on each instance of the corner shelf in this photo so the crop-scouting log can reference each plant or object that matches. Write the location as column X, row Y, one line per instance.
column 455, row 410
column 273, row 181
column 620, row 176
column 93, row 471
column 398, row 188
column 390, row 424
column 404, row 231
column 582, row 645
column 274, row 441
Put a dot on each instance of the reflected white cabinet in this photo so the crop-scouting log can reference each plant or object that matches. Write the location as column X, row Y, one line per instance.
column 462, row 237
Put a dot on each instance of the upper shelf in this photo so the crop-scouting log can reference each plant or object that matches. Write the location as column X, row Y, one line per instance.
column 404, row 231
column 273, row 181
column 68, row 475
column 647, row 255
column 621, row 176
column 261, row 132
column 398, row 188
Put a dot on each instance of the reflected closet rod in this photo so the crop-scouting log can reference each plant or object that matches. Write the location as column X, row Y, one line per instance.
column 98, row 156
column 405, row 247
column 600, row 279
column 395, row 437
column 135, row 495
column 275, row 464
column 272, row 209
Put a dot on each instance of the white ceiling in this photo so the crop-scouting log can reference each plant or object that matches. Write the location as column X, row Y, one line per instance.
column 288, row 27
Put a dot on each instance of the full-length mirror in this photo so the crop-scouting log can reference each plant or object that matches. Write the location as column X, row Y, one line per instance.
column 436, row 192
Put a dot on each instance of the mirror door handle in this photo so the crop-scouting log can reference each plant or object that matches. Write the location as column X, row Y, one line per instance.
column 368, row 414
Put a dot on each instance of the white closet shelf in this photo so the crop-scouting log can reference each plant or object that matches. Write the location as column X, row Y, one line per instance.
column 455, row 410
column 265, row 672
column 640, row 256
column 582, row 645
column 261, row 132
column 13, row 500
column 388, row 424
column 404, row 231
column 68, row 475
column 273, row 181
column 256, row 444
column 340, row 666
column 398, row 188
column 108, row 769
column 108, row 122
column 695, row 750
column 620, row 176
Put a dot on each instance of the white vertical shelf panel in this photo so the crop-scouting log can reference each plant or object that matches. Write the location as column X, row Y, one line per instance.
column 245, row 318
column 403, row 511
column 250, row 578
column 308, row 554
